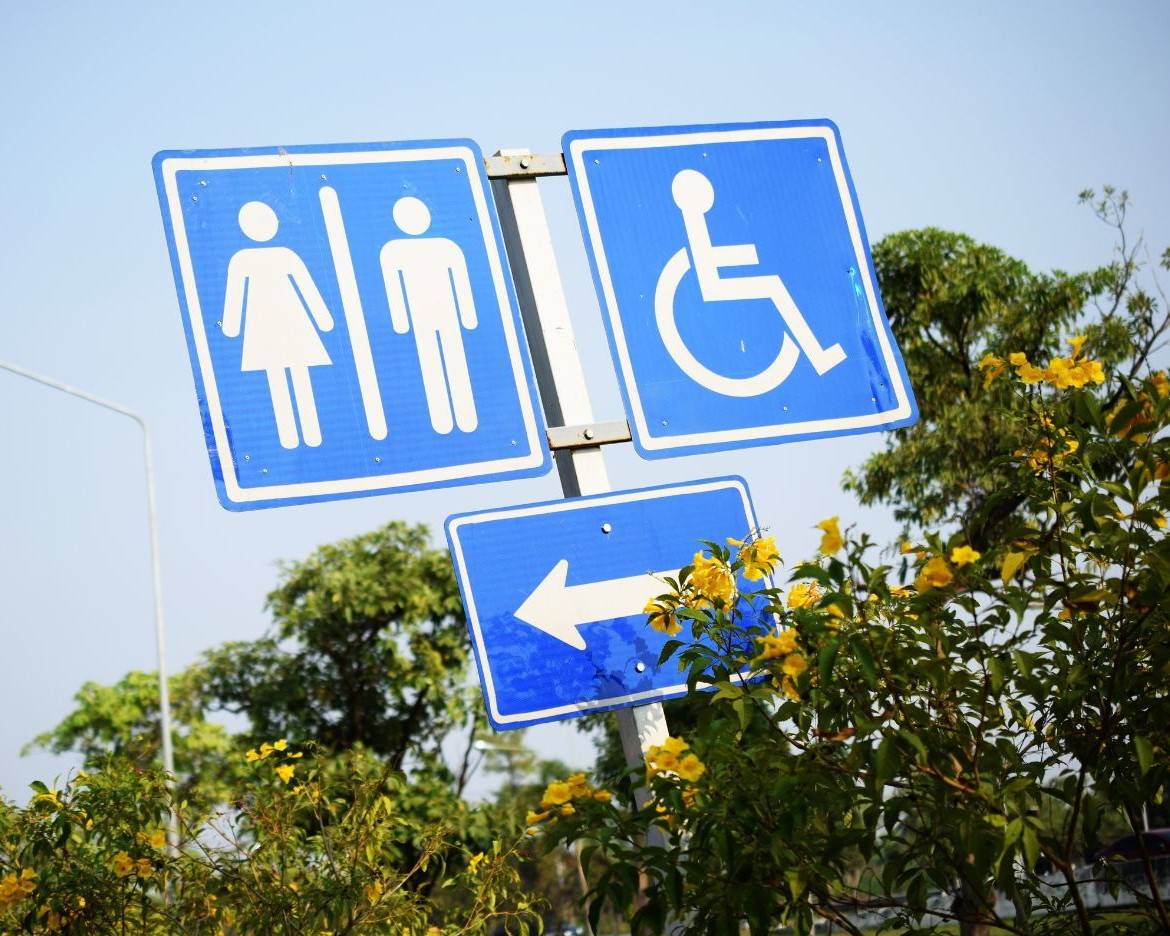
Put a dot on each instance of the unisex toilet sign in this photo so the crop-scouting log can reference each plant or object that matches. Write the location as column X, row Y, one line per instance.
column 555, row 594
column 739, row 295
column 350, row 320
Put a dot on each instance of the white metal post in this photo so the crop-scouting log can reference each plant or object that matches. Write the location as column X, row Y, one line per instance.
column 164, row 698
column 561, row 379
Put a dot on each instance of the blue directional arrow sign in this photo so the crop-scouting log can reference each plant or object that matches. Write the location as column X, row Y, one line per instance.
column 739, row 294
column 555, row 592
column 350, row 319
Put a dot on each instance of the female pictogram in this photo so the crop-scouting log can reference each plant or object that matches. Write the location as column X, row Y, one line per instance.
column 273, row 299
column 694, row 195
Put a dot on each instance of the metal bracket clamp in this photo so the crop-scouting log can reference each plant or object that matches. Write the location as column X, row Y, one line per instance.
column 525, row 166
column 588, row 436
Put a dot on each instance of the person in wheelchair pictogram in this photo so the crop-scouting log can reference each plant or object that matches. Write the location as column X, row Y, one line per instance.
column 694, row 195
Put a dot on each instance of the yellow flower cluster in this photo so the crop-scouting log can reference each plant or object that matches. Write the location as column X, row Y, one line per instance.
column 803, row 595
column 759, row 556
column 559, row 796
column 286, row 770
column 156, row 839
column 935, row 574
column 673, row 758
column 1062, row 373
column 783, row 647
column 15, row 887
column 711, row 585
column 1053, row 451
column 125, row 866
column 712, row 582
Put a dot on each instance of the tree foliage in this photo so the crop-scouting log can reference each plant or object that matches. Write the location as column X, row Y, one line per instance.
column 950, row 300
column 945, row 718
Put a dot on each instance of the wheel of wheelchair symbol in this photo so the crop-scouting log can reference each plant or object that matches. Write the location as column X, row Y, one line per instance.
column 768, row 379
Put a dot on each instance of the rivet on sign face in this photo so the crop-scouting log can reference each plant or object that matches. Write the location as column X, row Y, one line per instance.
column 377, row 459
column 606, row 528
column 323, row 179
column 588, row 433
column 203, row 183
column 263, row 471
column 194, row 198
column 597, row 162
column 247, row 458
column 458, row 168
column 639, row 667
column 524, row 161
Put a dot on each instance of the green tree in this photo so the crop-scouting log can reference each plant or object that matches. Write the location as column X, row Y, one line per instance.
column 950, row 300
column 368, row 647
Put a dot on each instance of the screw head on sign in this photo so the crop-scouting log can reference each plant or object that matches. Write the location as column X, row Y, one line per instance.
column 606, row 528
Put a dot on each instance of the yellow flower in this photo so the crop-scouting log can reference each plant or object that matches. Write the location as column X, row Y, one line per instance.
column 373, row 891
column 776, row 645
column 156, row 839
column 1017, row 359
column 794, row 664
column 788, row 687
column 567, row 809
column 279, row 745
column 992, row 367
column 1030, row 374
column 286, row 771
column 143, row 868
column 906, row 547
column 1075, row 342
column 712, row 581
column 476, row 860
column 123, row 864
column 759, row 557
column 662, row 618
column 935, row 574
column 1160, row 522
column 963, row 555
column 555, row 794
column 831, row 541
column 603, row 796
column 690, row 768
column 534, row 818
column 252, row 756
column 803, row 595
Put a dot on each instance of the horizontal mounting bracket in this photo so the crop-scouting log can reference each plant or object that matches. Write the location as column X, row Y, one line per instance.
column 526, row 166
column 589, row 436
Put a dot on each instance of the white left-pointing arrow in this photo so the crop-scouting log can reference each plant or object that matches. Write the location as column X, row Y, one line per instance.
column 559, row 609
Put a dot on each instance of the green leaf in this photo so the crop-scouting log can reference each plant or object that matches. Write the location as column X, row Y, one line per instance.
column 825, row 660
column 885, row 761
column 1145, row 753
column 865, row 659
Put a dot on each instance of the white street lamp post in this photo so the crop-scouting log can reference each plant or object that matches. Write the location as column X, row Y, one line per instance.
column 168, row 753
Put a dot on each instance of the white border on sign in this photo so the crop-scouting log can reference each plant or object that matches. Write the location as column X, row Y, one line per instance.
column 490, row 516
column 172, row 165
column 577, row 150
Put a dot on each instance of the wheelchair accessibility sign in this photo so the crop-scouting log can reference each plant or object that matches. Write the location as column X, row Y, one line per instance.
column 350, row 319
column 739, row 294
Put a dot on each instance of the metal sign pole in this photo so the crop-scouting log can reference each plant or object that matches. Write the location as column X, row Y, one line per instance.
column 559, row 372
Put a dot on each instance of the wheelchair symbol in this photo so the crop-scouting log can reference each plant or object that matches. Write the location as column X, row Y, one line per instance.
column 694, row 195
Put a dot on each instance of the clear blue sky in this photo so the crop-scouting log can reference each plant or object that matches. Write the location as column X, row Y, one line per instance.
column 984, row 117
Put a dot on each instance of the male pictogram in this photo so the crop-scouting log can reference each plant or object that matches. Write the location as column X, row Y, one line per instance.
column 429, row 293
